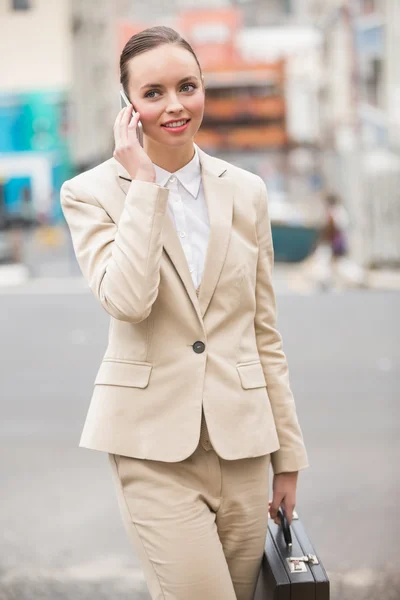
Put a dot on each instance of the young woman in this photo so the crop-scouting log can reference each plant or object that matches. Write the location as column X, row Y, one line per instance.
column 192, row 400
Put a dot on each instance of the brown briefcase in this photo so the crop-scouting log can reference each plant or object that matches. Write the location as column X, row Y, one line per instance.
column 291, row 569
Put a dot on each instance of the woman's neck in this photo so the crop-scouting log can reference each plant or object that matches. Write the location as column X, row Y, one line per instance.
column 170, row 159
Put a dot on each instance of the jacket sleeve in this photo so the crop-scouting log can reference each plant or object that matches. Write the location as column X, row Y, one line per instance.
column 292, row 455
column 120, row 263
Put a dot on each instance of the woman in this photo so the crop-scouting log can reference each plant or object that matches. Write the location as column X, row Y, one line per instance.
column 176, row 245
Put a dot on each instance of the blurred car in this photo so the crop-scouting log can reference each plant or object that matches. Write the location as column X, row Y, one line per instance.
column 295, row 232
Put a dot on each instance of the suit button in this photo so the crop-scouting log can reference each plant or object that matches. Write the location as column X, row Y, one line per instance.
column 199, row 347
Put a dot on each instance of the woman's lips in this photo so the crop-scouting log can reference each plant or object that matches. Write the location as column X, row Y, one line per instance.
column 176, row 129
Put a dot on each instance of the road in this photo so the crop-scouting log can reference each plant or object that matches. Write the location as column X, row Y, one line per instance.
column 62, row 537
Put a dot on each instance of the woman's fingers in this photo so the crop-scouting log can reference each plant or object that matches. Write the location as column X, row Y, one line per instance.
column 128, row 151
column 125, row 128
column 284, row 494
column 134, row 121
column 117, row 129
column 288, row 507
column 123, row 125
column 132, row 128
column 273, row 507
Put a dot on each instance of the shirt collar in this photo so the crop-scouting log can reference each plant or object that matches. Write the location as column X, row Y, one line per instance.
column 189, row 175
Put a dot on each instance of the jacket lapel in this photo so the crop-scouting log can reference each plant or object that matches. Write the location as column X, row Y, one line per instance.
column 173, row 248
column 171, row 243
column 219, row 193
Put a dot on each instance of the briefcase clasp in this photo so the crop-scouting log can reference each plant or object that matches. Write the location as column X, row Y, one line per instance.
column 297, row 563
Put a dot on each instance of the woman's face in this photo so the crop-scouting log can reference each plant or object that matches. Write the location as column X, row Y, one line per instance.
column 165, row 85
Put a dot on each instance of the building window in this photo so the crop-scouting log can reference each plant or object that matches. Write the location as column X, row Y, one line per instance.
column 21, row 4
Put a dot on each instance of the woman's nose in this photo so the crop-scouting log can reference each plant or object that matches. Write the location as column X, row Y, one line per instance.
column 174, row 106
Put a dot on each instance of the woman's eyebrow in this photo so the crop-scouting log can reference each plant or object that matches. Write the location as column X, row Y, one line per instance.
column 146, row 85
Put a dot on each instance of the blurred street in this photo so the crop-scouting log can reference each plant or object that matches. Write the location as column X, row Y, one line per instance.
column 62, row 537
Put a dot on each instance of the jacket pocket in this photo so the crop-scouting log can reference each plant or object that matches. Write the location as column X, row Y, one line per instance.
column 124, row 373
column 251, row 375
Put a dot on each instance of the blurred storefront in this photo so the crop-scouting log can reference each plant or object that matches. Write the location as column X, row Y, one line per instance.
column 58, row 97
column 34, row 154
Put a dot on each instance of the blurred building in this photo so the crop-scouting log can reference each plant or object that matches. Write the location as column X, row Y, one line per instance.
column 58, row 96
column 35, row 78
column 94, row 101
column 255, row 12
column 360, row 122
column 392, row 73
column 300, row 91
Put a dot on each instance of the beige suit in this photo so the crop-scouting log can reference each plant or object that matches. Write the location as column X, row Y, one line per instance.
column 154, row 378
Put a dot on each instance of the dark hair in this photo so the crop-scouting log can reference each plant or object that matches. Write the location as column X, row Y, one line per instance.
column 147, row 40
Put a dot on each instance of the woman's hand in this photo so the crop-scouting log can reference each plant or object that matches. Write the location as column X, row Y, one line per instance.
column 284, row 492
column 128, row 150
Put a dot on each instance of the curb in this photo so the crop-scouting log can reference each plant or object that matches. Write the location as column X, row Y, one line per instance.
column 13, row 274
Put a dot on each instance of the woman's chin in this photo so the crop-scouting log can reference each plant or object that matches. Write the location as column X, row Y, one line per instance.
column 178, row 142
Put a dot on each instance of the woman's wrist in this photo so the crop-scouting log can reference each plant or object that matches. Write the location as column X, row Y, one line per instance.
column 145, row 176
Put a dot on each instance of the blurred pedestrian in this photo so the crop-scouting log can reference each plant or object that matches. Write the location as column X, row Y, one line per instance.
column 335, row 267
column 337, row 226
column 192, row 400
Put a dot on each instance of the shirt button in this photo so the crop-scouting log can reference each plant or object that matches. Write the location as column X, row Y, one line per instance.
column 199, row 347
column 191, row 269
column 172, row 179
column 182, row 233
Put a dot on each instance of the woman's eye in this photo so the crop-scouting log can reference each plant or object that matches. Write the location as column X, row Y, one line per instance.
column 189, row 85
column 147, row 95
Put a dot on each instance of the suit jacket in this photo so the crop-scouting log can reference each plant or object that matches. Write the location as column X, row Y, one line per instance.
column 154, row 378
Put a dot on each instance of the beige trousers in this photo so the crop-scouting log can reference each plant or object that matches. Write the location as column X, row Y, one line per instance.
column 199, row 525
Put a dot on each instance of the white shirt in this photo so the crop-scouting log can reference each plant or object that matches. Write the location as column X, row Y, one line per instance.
column 188, row 209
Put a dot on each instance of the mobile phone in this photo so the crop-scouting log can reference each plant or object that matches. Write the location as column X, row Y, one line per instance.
column 124, row 102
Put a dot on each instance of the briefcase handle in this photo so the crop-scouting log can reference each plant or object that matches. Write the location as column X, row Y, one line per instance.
column 287, row 536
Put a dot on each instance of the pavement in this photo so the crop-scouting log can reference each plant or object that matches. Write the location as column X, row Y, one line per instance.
column 62, row 537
